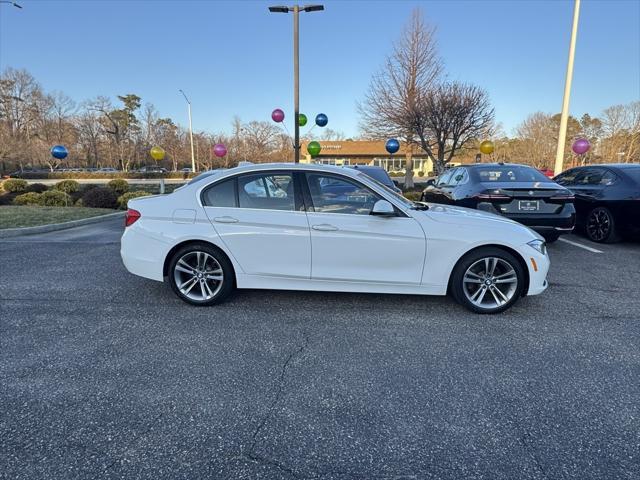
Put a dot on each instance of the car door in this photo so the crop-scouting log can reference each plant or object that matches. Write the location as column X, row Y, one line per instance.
column 349, row 244
column 261, row 220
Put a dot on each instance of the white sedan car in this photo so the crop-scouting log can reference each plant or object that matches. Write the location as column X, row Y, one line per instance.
column 315, row 227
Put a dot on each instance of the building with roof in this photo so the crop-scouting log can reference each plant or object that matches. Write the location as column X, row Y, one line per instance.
column 367, row 152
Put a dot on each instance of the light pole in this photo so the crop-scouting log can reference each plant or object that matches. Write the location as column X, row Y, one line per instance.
column 11, row 3
column 193, row 158
column 296, row 9
column 564, row 116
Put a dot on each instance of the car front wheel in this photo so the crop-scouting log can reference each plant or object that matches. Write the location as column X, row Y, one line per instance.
column 488, row 280
column 200, row 274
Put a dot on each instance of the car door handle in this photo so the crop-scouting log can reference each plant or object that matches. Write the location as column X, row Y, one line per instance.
column 324, row 227
column 225, row 220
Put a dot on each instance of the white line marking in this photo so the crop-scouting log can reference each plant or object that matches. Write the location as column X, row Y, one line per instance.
column 576, row 244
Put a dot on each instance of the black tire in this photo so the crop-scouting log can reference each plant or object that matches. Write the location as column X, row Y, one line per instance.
column 207, row 271
column 600, row 226
column 459, row 290
column 551, row 237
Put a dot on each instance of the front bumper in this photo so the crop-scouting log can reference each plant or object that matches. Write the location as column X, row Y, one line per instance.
column 538, row 266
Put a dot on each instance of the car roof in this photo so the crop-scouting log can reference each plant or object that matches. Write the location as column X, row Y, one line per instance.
column 258, row 167
column 621, row 166
column 494, row 164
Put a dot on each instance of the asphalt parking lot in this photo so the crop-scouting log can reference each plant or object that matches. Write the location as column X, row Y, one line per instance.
column 107, row 375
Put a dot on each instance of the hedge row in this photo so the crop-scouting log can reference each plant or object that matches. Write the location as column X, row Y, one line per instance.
column 90, row 175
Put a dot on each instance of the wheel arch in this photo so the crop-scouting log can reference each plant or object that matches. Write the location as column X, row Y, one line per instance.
column 176, row 247
column 515, row 253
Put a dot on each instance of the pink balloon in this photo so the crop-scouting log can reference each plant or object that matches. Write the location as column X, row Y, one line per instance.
column 277, row 115
column 581, row 145
column 219, row 150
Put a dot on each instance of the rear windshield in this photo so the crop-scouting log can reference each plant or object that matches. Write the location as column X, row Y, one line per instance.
column 509, row 173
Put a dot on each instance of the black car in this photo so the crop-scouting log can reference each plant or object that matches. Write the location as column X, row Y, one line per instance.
column 377, row 173
column 519, row 192
column 607, row 199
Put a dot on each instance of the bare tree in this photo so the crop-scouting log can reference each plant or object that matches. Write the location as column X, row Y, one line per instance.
column 411, row 71
column 448, row 117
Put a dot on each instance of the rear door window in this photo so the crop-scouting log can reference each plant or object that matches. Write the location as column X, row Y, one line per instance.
column 220, row 194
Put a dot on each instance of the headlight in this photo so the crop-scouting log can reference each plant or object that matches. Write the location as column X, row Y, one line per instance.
column 539, row 245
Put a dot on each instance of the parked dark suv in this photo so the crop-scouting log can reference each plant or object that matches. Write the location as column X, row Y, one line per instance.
column 607, row 199
column 519, row 192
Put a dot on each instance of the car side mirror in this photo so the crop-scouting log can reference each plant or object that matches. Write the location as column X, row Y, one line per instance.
column 382, row 208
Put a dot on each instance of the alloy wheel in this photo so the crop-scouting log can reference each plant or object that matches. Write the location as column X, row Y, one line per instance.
column 198, row 276
column 490, row 283
column 598, row 225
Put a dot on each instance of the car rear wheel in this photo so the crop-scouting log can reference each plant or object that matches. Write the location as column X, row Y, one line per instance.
column 600, row 226
column 201, row 275
column 487, row 280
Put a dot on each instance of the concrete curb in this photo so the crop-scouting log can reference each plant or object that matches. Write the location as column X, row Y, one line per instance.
column 16, row 232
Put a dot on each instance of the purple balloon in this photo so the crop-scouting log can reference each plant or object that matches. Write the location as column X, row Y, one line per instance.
column 277, row 115
column 219, row 150
column 581, row 145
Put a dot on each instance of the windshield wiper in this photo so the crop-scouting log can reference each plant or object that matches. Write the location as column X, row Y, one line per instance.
column 420, row 206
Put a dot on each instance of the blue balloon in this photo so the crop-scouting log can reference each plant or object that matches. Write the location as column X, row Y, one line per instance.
column 392, row 146
column 59, row 152
column 321, row 120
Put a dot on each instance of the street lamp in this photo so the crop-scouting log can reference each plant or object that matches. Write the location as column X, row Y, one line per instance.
column 193, row 158
column 296, row 9
column 11, row 3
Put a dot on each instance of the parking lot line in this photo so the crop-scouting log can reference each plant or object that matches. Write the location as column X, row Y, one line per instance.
column 576, row 244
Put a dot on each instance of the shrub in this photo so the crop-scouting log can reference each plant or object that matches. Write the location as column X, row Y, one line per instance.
column 413, row 196
column 84, row 188
column 124, row 198
column 421, row 173
column 29, row 198
column 15, row 185
column 119, row 185
column 56, row 198
column 7, row 198
column 100, row 197
column 79, row 203
column 37, row 187
column 67, row 186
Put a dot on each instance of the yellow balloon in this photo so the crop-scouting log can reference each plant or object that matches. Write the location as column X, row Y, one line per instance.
column 486, row 147
column 157, row 153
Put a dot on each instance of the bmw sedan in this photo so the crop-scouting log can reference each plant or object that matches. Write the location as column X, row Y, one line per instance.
column 289, row 227
column 607, row 199
column 518, row 192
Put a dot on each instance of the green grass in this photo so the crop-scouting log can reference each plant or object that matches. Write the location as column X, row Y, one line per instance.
column 13, row 216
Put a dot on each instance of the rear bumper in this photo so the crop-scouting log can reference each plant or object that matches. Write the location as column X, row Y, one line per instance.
column 561, row 222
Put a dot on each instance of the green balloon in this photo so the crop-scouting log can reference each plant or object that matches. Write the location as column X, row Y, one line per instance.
column 314, row 149
column 302, row 119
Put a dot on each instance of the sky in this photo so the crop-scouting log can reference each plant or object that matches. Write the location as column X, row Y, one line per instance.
column 235, row 58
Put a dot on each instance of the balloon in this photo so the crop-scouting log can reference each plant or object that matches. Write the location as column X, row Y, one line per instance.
column 277, row 115
column 314, row 149
column 392, row 146
column 59, row 152
column 219, row 150
column 302, row 119
column 487, row 147
column 581, row 145
column 321, row 120
column 157, row 153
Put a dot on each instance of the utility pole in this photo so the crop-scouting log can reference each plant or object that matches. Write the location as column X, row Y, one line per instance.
column 564, row 117
column 193, row 158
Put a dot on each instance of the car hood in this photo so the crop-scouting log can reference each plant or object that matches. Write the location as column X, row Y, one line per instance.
column 467, row 217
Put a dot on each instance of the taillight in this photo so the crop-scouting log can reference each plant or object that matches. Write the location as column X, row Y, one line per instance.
column 131, row 217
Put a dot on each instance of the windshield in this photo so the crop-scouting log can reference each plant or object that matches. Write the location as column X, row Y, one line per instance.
column 404, row 201
column 509, row 173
